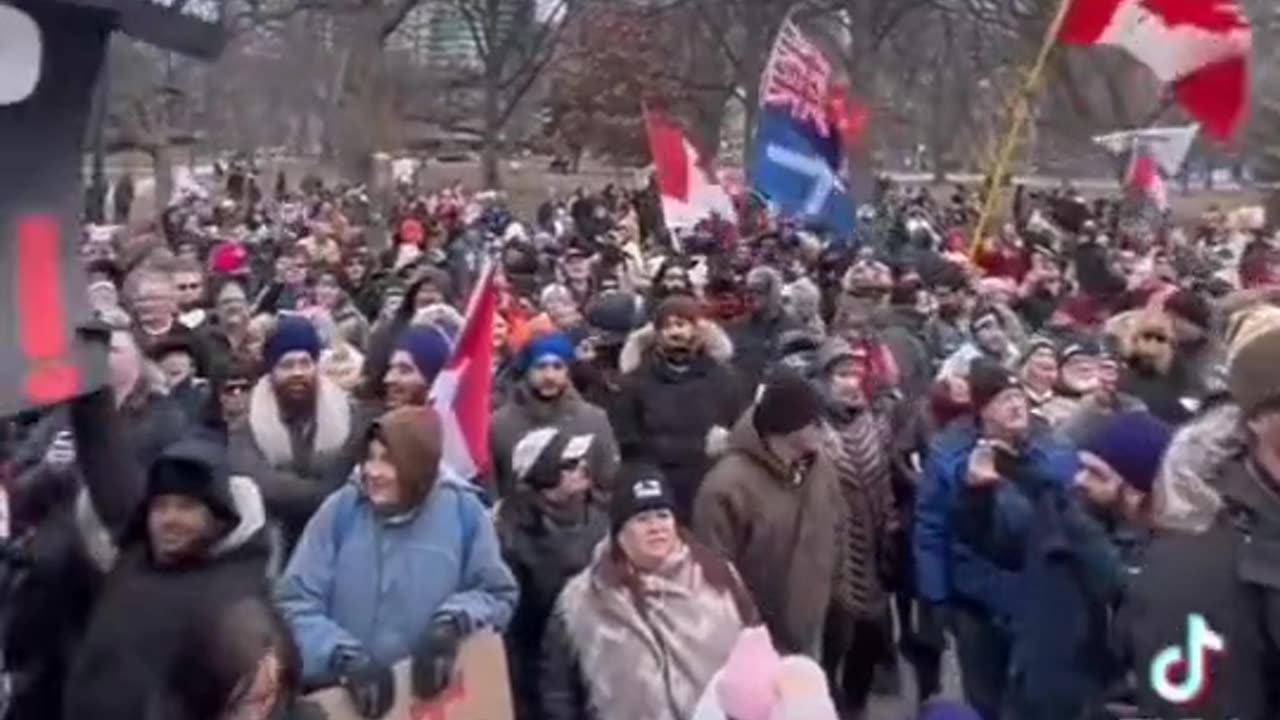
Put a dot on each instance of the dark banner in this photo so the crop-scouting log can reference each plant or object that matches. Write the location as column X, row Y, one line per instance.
column 190, row 27
column 42, row 359
column 50, row 55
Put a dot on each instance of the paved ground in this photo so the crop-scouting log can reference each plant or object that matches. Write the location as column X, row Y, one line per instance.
column 903, row 707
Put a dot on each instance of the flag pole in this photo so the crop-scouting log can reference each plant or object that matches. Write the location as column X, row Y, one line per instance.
column 1021, row 113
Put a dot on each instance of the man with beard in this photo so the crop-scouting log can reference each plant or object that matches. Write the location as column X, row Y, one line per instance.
column 544, row 399
column 671, row 279
column 754, row 338
column 420, row 352
column 299, row 425
column 678, row 397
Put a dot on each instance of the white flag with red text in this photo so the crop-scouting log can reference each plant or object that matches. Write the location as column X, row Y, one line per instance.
column 463, row 390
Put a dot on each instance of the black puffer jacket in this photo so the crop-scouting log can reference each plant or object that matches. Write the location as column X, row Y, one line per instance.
column 143, row 610
column 663, row 415
column 544, row 546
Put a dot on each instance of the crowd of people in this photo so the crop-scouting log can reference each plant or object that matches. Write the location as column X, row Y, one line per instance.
column 738, row 472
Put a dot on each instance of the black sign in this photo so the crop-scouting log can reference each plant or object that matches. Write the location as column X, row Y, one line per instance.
column 191, row 27
column 50, row 56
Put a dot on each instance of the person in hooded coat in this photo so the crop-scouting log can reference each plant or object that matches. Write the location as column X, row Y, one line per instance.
column 548, row 529
column 678, row 397
column 403, row 564
column 177, row 543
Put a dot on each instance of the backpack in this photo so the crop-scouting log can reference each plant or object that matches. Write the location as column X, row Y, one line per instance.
column 345, row 517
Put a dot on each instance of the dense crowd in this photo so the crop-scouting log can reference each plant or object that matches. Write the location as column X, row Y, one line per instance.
column 736, row 472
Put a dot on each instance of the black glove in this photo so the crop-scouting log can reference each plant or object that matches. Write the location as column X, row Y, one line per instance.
column 370, row 684
column 434, row 657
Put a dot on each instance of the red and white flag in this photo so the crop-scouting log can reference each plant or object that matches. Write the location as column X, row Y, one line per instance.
column 1144, row 179
column 463, row 390
column 689, row 196
column 1200, row 47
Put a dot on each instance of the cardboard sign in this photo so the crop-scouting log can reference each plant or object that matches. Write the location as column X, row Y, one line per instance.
column 480, row 690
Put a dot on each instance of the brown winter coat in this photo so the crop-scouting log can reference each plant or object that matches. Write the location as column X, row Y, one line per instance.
column 785, row 537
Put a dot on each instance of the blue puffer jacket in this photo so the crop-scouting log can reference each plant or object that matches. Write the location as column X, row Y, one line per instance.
column 950, row 571
column 360, row 581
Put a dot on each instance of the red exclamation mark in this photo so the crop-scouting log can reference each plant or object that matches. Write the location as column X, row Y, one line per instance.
column 42, row 328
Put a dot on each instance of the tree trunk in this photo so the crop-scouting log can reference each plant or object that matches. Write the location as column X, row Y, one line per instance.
column 359, row 99
column 490, row 172
column 162, row 169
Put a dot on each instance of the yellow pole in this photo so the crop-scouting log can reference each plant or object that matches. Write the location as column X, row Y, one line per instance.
column 1021, row 110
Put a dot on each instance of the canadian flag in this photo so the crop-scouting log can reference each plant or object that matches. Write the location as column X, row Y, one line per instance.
column 1201, row 47
column 463, row 390
column 1144, row 178
column 689, row 196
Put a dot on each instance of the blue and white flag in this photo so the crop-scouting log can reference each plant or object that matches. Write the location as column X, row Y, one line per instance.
column 798, row 172
column 797, row 154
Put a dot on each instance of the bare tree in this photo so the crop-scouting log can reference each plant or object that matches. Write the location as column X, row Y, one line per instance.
column 514, row 46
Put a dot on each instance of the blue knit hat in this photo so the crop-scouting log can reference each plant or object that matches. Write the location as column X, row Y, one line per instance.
column 428, row 346
column 551, row 345
column 948, row 710
column 1133, row 444
column 293, row 333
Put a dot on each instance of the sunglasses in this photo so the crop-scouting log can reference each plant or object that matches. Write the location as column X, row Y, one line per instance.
column 572, row 463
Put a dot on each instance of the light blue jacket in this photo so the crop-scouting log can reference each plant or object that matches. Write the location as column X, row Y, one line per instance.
column 360, row 581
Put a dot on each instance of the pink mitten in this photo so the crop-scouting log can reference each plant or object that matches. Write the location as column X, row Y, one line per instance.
column 746, row 687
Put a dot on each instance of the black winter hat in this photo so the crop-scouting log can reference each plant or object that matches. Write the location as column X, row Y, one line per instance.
column 193, row 468
column 788, row 403
column 987, row 379
column 639, row 488
column 1190, row 306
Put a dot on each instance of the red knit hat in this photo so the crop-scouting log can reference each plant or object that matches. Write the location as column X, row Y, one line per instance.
column 229, row 258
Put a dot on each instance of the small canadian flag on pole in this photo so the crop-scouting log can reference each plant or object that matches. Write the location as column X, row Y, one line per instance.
column 1199, row 47
column 1144, row 179
column 689, row 195
column 463, row 390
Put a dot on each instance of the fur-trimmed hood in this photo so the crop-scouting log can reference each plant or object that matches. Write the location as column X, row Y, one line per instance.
column 102, row 550
column 1185, row 495
column 332, row 419
column 714, row 342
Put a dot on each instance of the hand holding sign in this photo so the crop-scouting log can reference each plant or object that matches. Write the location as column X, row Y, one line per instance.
column 479, row 688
